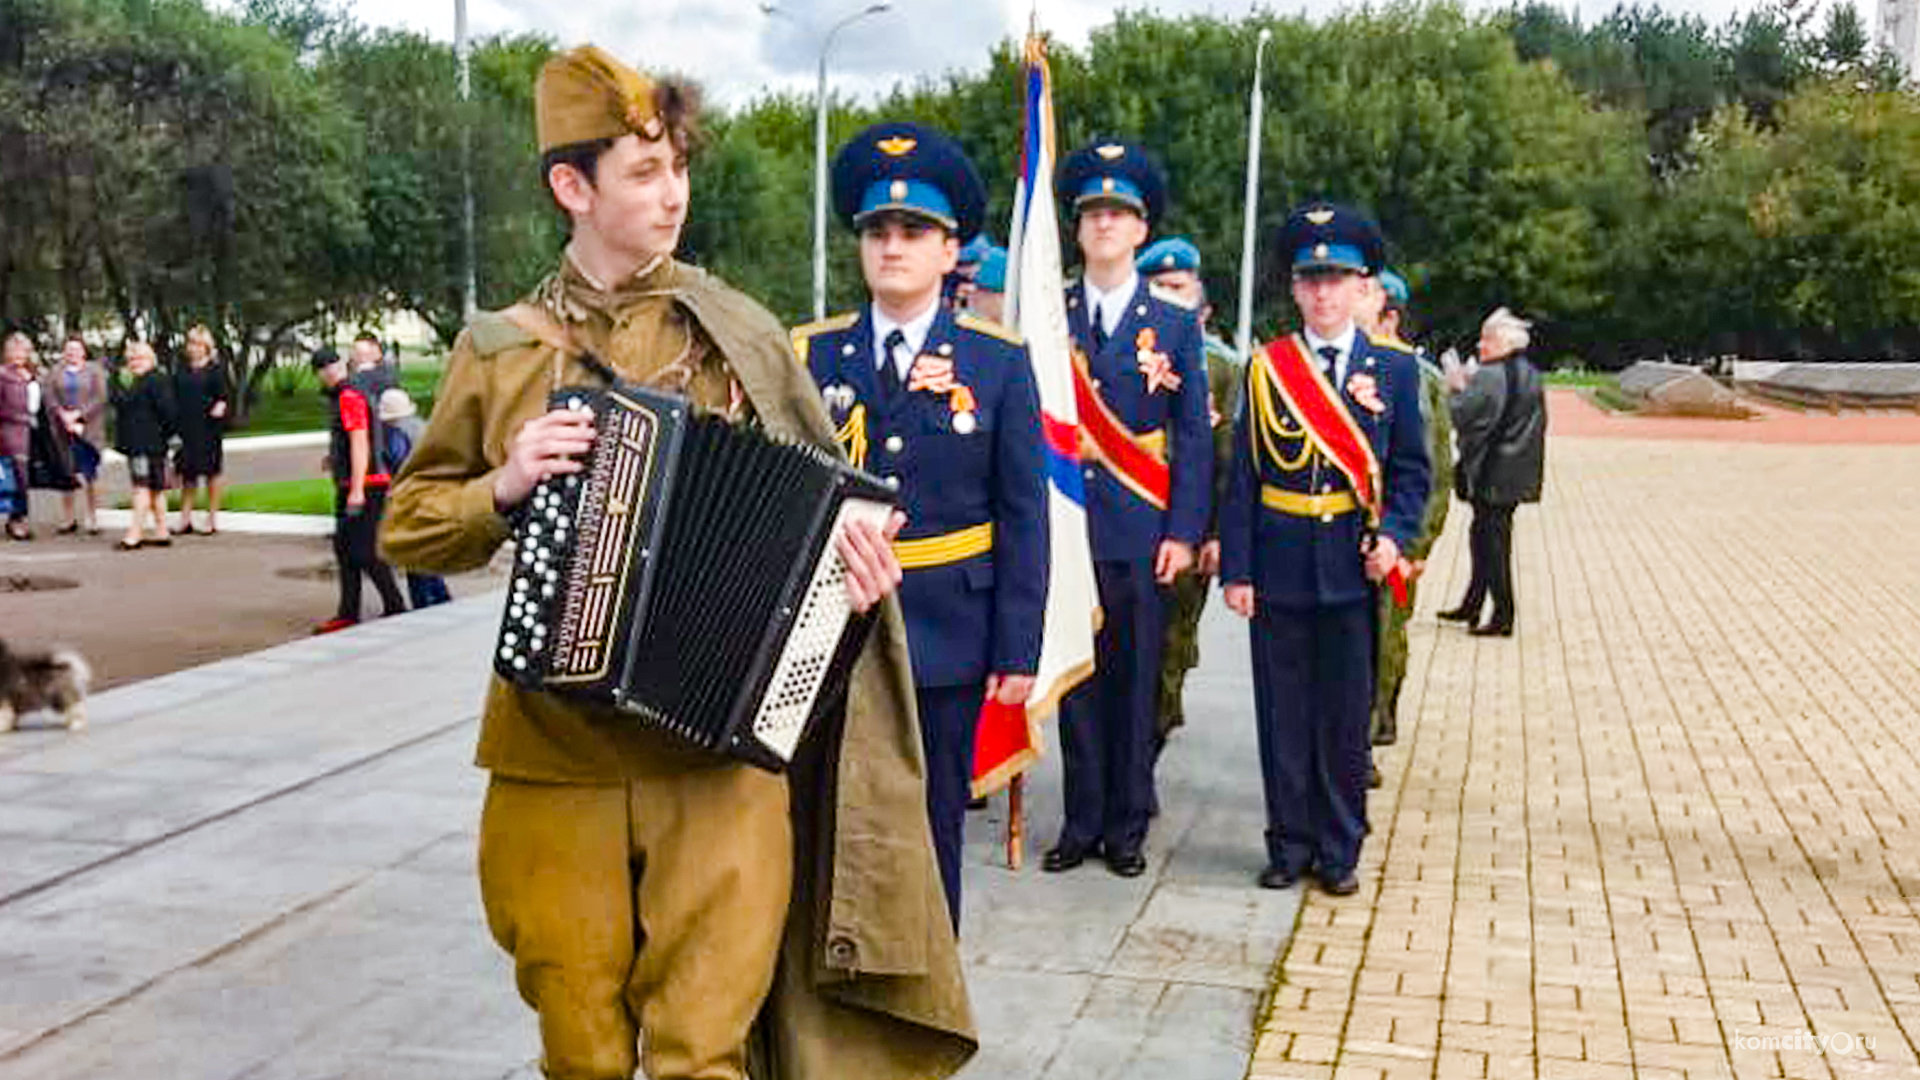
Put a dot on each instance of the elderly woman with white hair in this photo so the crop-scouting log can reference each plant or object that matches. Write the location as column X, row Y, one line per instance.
column 1500, row 417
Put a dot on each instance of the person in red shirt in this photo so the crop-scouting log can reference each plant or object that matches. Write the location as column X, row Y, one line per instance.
column 360, row 478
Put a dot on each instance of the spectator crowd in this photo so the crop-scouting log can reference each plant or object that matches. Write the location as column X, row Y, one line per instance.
column 60, row 421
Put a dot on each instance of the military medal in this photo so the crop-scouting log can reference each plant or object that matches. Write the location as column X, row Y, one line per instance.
column 1157, row 366
column 1362, row 388
column 962, row 403
column 930, row 373
column 839, row 401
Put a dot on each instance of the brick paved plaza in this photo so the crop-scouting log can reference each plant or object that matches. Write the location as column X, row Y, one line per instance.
column 1673, row 825
column 1673, row 819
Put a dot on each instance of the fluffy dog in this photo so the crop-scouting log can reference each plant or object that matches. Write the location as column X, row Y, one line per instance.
column 55, row 680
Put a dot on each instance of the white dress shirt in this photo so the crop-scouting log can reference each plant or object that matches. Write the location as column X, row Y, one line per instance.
column 1342, row 341
column 1111, row 306
column 915, row 330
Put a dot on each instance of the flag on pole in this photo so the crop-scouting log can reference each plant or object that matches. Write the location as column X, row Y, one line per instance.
column 1008, row 737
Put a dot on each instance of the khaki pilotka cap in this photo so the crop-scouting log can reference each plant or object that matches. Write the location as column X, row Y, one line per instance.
column 584, row 95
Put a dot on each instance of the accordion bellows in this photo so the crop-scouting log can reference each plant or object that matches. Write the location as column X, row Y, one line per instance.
column 687, row 575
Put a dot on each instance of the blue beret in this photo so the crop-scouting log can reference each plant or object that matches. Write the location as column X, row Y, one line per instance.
column 975, row 251
column 993, row 271
column 911, row 169
column 1395, row 286
column 1114, row 173
column 1324, row 236
column 1173, row 253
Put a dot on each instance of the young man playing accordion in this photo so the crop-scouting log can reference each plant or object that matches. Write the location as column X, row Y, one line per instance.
column 650, row 894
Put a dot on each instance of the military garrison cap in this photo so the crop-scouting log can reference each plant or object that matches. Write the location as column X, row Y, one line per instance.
column 584, row 95
column 1114, row 174
column 911, row 169
column 1323, row 238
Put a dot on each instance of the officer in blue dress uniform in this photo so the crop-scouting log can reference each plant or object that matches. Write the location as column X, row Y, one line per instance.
column 1146, row 496
column 1303, row 548
column 943, row 406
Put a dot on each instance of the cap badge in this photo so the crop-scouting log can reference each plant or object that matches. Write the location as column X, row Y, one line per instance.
column 898, row 191
column 1166, row 261
column 1320, row 216
column 1106, row 186
column 898, row 146
column 1319, row 251
column 1111, row 151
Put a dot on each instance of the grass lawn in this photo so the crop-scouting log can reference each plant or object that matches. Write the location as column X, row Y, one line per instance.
column 1579, row 377
column 309, row 496
column 1609, row 396
column 291, row 401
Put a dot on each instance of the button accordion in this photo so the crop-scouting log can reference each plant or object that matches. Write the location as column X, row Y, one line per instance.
column 687, row 575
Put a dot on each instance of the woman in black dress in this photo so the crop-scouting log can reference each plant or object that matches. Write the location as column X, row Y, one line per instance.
column 143, row 415
column 200, row 395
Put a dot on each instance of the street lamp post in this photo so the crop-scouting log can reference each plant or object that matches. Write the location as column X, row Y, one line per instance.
column 469, row 293
column 1243, row 336
column 820, row 153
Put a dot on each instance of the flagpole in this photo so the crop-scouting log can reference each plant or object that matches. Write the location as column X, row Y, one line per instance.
column 1243, row 336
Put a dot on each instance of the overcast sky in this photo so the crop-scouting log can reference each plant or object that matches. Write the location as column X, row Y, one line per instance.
column 736, row 50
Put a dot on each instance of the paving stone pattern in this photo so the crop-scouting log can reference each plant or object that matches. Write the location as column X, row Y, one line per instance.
column 1671, row 829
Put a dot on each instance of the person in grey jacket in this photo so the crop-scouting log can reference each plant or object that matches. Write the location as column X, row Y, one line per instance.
column 1500, row 418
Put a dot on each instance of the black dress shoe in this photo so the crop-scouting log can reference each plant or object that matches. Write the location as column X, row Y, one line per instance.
column 1127, row 863
column 1492, row 629
column 1065, row 856
column 1278, row 877
column 1345, row 884
column 1373, row 776
column 1463, row 613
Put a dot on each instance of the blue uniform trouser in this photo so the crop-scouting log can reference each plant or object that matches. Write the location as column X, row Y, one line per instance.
column 1107, row 723
column 1312, row 693
column 948, row 715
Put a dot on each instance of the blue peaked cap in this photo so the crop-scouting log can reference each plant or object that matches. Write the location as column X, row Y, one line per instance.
column 911, row 169
column 1115, row 173
column 1323, row 236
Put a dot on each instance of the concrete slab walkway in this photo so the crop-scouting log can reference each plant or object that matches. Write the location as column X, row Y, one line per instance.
column 262, row 868
column 1673, row 827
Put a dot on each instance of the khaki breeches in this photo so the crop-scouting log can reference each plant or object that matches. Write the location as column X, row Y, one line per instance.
column 647, row 913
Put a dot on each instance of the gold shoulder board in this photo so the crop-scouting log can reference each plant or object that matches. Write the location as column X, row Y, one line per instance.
column 970, row 321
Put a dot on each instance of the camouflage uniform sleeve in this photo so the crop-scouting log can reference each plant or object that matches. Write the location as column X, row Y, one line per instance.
column 1224, row 376
column 441, row 516
column 1433, row 405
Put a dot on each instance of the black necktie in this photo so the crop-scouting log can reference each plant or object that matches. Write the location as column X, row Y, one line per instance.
column 1331, row 353
column 890, row 367
column 1099, row 331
